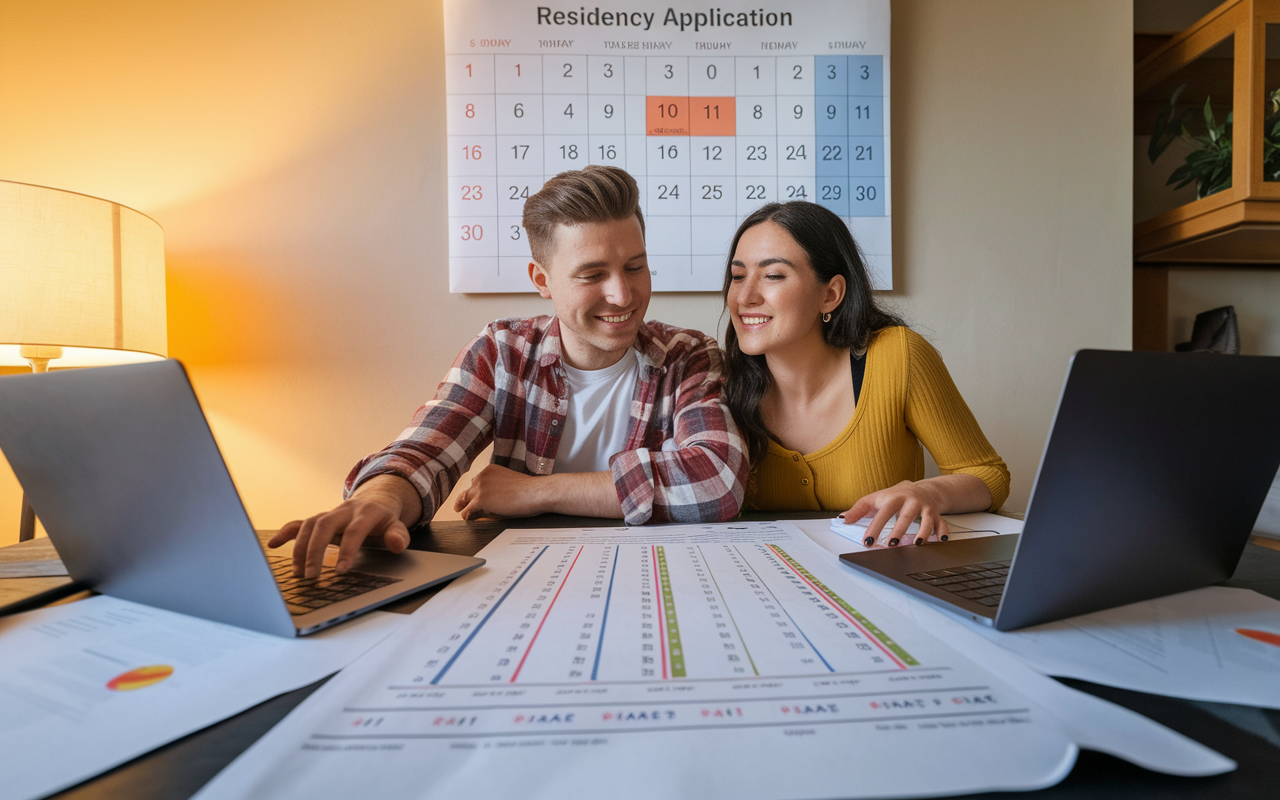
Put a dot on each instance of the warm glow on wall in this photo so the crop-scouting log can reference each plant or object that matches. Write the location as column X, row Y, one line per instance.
column 173, row 102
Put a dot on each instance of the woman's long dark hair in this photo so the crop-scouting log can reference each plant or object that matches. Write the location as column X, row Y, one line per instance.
column 826, row 240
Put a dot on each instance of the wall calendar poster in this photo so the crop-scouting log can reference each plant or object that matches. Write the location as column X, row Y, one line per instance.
column 714, row 110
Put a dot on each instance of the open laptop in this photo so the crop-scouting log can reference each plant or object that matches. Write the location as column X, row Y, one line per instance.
column 121, row 467
column 1150, row 481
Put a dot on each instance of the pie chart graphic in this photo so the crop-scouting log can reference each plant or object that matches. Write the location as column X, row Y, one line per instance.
column 140, row 678
column 1266, row 637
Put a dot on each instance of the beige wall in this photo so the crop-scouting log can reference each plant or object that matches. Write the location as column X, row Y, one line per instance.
column 293, row 152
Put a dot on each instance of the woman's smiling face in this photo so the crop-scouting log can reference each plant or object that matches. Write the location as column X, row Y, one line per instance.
column 775, row 299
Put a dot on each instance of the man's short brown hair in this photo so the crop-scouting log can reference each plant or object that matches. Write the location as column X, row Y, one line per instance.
column 593, row 194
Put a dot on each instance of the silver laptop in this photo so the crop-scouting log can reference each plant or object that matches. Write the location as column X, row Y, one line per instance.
column 122, row 469
column 1150, row 482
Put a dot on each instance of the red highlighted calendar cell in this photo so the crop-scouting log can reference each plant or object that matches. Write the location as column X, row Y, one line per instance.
column 712, row 116
column 689, row 116
column 666, row 116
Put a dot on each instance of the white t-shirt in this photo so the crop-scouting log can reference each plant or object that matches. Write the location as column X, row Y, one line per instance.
column 599, row 415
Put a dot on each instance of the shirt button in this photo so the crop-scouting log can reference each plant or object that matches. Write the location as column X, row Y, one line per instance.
column 555, row 422
column 795, row 458
column 805, row 481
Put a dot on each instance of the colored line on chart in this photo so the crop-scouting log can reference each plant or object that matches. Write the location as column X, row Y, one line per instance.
column 899, row 656
column 725, row 603
column 476, row 630
column 604, row 620
column 669, row 610
column 545, row 614
column 657, row 588
column 783, row 607
column 1266, row 637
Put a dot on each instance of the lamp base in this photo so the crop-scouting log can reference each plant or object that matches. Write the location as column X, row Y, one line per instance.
column 39, row 358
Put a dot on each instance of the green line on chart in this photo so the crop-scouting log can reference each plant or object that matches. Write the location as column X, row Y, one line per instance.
column 725, row 602
column 669, row 612
column 866, row 623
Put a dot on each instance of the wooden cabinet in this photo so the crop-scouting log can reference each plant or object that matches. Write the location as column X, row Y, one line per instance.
column 1233, row 227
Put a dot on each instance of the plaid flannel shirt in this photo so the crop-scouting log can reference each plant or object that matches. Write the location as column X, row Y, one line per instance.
column 685, row 459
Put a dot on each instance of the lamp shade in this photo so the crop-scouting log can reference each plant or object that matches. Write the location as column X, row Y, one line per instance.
column 79, row 273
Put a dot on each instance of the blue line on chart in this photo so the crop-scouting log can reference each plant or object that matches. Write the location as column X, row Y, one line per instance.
column 784, row 608
column 595, row 668
column 463, row 646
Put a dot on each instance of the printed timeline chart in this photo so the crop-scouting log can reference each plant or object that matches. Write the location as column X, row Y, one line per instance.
column 714, row 111
column 743, row 610
column 728, row 660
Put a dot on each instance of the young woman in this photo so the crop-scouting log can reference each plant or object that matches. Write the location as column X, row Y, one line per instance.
column 835, row 395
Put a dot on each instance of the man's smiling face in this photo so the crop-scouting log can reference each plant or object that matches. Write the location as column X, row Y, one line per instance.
column 597, row 276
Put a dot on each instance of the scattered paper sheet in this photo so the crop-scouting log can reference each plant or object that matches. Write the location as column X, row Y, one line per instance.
column 1217, row 644
column 1092, row 722
column 717, row 661
column 86, row 686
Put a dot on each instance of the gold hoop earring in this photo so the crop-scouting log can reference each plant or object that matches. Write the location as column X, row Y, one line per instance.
column 826, row 317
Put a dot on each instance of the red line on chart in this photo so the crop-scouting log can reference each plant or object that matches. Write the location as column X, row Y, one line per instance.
column 662, row 604
column 840, row 608
column 545, row 614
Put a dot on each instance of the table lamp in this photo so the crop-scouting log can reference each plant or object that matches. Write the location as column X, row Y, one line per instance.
column 81, row 284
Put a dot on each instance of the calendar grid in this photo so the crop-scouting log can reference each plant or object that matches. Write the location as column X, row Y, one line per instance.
column 708, row 139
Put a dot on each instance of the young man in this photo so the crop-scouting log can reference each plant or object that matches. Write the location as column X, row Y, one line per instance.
column 592, row 412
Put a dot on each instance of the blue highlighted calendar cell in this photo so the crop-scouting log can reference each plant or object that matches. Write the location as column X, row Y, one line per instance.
column 709, row 136
column 866, row 76
column 831, row 76
column 866, row 198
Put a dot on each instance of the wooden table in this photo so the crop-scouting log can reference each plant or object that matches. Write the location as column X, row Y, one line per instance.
column 177, row 770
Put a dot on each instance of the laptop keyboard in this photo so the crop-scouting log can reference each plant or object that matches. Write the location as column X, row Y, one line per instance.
column 304, row 595
column 983, row 583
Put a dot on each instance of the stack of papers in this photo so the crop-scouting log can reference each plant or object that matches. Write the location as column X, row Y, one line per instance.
column 733, row 660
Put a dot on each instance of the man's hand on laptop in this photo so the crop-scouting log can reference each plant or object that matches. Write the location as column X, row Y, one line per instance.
column 381, row 509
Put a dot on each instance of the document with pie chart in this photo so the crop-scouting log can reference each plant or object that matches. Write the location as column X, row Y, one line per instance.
column 88, row 685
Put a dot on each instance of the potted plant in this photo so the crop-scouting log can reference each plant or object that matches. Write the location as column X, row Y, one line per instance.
column 1209, row 163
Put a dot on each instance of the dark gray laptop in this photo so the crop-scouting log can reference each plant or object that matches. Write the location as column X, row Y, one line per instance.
column 1153, row 474
column 122, row 469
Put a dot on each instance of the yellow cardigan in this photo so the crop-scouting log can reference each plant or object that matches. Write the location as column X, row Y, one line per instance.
column 906, row 393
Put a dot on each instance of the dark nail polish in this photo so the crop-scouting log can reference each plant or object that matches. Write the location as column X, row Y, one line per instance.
column 943, row 537
column 919, row 540
column 870, row 540
column 893, row 542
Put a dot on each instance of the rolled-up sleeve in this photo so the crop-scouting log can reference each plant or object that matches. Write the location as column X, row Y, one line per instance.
column 939, row 416
column 699, row 474
column 445, row 435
